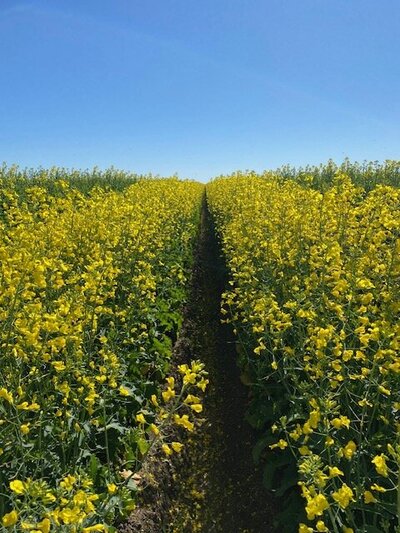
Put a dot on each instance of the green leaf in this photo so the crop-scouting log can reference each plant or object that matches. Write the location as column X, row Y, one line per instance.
column 118, row 427
column 288, row 480
column 94, row 465
column 143, row 445
column 260, row 446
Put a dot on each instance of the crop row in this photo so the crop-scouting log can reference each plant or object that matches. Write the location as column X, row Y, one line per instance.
column 91, row 290
column 314, row 300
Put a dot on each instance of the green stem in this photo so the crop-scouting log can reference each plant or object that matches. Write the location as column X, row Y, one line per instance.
column 398, row 497
column 106, row 436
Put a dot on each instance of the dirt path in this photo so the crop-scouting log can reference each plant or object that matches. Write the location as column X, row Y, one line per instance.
column 219, row 489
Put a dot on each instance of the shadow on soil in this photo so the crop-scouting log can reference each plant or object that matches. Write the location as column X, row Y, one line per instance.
column 220, row 489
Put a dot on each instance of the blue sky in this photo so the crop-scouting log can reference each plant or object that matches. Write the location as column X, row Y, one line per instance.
column 198, row 87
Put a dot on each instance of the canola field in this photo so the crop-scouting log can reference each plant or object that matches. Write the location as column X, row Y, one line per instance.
column 314, row 298
column 92, row 283
column 94, row 276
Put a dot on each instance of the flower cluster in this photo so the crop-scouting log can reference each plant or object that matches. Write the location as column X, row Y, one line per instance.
column 91, row 288
column 314, row 299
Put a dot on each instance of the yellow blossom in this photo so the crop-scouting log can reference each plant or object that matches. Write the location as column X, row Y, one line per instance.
column 316, row 506
column 335, row 471
column 17, row 486
column 140, row 418
column 349, row 450
column 378, row 488
column 343, row 496
column 24, row 429
column 154, row 400
column 303, row 528
column 154, row 429
column 4, row 393
column 68, row 482
column 124, row 391
column 282, row 444
column 10, row 519
column 184, row 422
column 380, row 464
column 44, row 526
column 176, row 446
column 369, row 497
column 166, row 449
column 168, row 394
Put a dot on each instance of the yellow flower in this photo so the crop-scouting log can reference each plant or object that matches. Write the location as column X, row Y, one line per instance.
column 316, row 506
column 58, row 366
column 140, row 418
column 44, row 526
column 154, row 429
column 350, row 449
column 184, row 422
column 320, row 525
column 171, row 382
column 282, row 444
column 189, row 377
column 304, row 450
column 24, row 429
column 17, row 486
column 28, row 525
column 335, row 471
column 6, row 395
column 197, row 407
column 71, row 516
column 112, row 488
column 25, row 406
column 168, row 395
column 383, row 390
column 365, row 403
column 378, row 488
column 166, row 449
column 10, row 519
column 343, row 421
column 190, row 398
column 202, row 384
column 343, row 496
column 305, row 529
column 48, row 498
column 315, row 417
column 154, row 400
column 124, row 391
column 68, row 482
column 380, row 464
column 183, row 369
column 176, row 446
column 369, row 497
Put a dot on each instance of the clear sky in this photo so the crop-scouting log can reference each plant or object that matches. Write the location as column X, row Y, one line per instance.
column 198, row 87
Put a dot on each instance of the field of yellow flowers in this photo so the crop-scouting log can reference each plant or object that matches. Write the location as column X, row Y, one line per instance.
column 314, row 298
column 92, row 282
